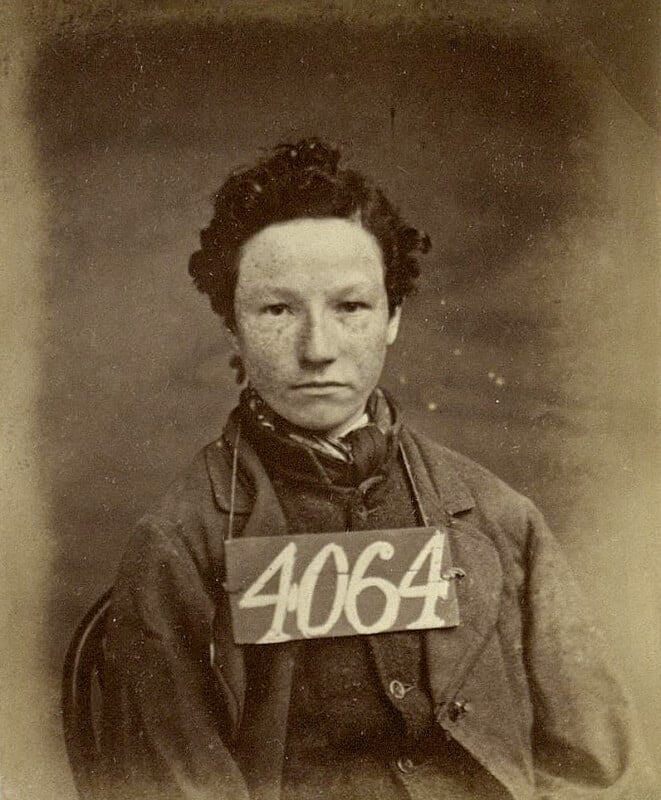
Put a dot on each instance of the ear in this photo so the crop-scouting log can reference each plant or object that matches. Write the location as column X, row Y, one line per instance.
column 393, row 325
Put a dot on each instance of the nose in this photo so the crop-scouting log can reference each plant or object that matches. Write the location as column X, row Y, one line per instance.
column 317, row 341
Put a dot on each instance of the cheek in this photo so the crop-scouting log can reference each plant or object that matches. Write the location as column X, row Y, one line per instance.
column 263, row 351
column 367, row 353
column 367, row 339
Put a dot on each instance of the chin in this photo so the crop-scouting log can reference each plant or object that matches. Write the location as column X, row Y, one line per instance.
column 318, row 423
column 319, row 419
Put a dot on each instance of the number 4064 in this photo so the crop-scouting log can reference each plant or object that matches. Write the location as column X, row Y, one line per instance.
column 425, row 584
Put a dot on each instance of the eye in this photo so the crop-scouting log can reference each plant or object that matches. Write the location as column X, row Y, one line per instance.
column 351, row 306
column 275, row 309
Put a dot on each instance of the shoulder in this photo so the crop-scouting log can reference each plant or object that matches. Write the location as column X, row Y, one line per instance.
column 443, row 462
column 189, row 497
column 182, row 531
column 465, row 485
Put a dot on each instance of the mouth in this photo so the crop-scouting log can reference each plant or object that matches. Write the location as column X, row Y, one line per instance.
column 319, row 386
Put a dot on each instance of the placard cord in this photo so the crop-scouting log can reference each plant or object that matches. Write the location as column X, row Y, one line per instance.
column 235, row 469
column 409, row 474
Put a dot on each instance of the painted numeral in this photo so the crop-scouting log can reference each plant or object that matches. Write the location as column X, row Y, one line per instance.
column 432, row 589
column 254, row 598
column 350, row 584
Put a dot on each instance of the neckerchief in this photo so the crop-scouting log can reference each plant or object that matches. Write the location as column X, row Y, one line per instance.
column 364, row 448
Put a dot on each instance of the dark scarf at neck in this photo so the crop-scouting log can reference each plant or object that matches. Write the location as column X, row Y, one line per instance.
column 285, row 449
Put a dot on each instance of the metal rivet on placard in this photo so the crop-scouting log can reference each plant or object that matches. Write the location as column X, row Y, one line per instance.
column 454, row 574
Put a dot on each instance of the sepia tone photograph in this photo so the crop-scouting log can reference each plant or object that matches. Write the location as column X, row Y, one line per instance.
column 330, row 423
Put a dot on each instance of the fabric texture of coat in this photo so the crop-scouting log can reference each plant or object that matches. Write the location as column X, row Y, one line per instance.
column 521, row 684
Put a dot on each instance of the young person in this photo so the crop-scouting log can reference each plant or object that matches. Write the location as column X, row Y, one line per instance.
column 309, row 266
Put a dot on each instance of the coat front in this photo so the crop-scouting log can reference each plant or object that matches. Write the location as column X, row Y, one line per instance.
column 521, row 684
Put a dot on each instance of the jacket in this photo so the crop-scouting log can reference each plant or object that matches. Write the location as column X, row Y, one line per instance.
column 521, row 684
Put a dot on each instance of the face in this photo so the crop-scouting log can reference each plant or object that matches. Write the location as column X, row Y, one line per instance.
column 312, row 320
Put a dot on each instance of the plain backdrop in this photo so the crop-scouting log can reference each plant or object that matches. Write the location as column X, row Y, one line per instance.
column 523, row 139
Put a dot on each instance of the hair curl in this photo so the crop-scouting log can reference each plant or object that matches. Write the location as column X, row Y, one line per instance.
column 300, row 180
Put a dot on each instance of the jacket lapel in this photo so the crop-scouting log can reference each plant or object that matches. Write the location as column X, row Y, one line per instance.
column 256, row 681
column 451, row 652
column 447, row 501
column 253, row 495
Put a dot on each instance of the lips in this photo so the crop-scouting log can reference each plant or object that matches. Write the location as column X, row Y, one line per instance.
column 320, row 388
column 319, row 385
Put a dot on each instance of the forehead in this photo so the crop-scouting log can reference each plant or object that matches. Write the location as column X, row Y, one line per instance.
column 328, row 250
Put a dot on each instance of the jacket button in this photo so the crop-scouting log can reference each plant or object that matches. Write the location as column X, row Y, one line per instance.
column 458, row 708
column 398, row 690
column 405, row 765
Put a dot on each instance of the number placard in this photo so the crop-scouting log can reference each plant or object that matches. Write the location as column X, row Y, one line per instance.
column 339, row 584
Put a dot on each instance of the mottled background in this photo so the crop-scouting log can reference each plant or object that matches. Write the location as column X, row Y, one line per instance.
column 523, row 139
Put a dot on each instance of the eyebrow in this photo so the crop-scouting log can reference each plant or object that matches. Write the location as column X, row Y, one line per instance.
column 289, row 294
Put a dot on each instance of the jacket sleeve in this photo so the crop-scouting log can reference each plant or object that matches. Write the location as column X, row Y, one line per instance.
column 166, row 727
column 585, row 738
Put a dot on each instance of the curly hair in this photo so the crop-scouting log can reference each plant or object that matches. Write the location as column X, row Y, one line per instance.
column 300, row 180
